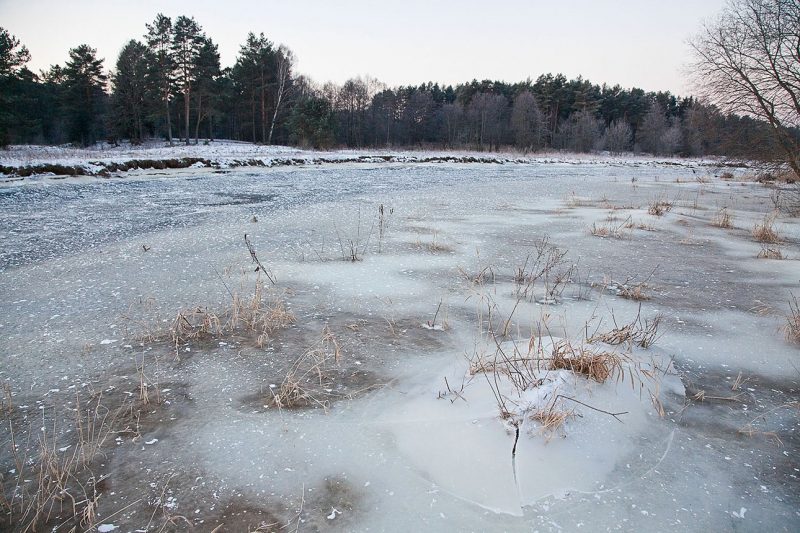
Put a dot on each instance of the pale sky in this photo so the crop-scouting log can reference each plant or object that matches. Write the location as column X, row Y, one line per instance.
column 631, row 42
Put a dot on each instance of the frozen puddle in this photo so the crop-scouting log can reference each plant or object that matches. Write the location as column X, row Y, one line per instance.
column 459, row 441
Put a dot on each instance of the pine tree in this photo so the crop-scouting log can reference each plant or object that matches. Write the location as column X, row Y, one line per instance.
column 187, row 41
column 206, row 72
column 253, row 72
column 13, row 57
column 130, row 98
column 84, row 94
column 162, row 68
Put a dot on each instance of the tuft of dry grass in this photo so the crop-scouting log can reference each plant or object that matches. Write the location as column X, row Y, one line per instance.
column 629, row 290
column 307, row 379
column 616, row 336
column 792, row 327
column 612, row 228
column 635, row 293
column 723, row 219
column 600, row 231
column 551, row 420
column 643, row 333
column 769, row 252
column 597, row 366
column 258, row 314
column 434, row 246
column 574, row 201
column 765, row 230
column 659, row 207
column 52, row 484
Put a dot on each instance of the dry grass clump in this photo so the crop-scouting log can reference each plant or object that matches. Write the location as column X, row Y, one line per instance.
column 258, row 315
column 616, row 336
column 547, row 265
column 612, row 228
column 600, row 231
column 769, row 252
column 307, row 381
column 643, row 333
column 481, row 364
column 659, row 207
column 723, row 219
column 792, row 327
column 628, row 290
column 434, row 246
column 765, row 231
column 574, row 201
column 598, row 366
column 51, row 483
column 726, row 176
column 635, row 293
column 551, row 420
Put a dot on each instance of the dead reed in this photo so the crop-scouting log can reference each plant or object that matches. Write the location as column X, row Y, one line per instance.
column 723, row 219
column 765, row 230
column 307, row 381
column 792, row 327
column 597, row 366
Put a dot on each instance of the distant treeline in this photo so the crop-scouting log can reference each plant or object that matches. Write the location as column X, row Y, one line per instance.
column 171, row 85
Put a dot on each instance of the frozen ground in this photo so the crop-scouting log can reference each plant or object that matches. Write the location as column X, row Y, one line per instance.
column 93, row 271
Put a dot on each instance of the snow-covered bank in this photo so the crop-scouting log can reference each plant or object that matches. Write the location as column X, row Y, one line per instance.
column 106, row 160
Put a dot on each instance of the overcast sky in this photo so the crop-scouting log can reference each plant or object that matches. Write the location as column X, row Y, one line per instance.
column 631, row 42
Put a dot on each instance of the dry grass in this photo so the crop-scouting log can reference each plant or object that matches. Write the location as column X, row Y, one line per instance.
column 612, row 228
column 598, row 366
column 551, row 421
column 723, row 219
column 643, row 333
column 750, row 429
column 769, row 252
column 765, row 230
column 52, row 485
column 635, row 293
column 616, row 336
column 600, row 231
column 434, row 246
column 659, row 207
column 573, row 201
column 259, row 315
column 627, row 289
column 792, row 327
column 308, row 378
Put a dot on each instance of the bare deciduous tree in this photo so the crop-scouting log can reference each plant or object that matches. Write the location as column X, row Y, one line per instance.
column 747, row 61
column 617, row 137
column 284, row 61
column 527, row 122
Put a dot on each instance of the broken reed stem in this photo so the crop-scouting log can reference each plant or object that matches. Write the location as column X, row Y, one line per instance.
column 254, row 257
column 615, row 415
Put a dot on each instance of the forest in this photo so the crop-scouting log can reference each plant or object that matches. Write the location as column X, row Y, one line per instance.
column 170, row 85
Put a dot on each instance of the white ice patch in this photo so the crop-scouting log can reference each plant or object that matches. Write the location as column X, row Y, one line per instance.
column 461, row 444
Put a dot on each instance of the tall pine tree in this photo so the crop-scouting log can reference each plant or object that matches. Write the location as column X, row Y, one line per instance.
column 162, row 69
column 187, row 41
column 84, row 95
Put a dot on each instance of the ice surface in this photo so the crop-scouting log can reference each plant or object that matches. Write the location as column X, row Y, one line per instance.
column 83, row 261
